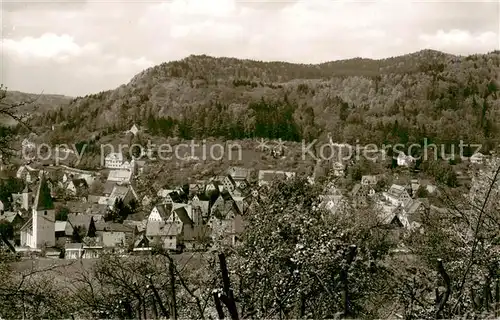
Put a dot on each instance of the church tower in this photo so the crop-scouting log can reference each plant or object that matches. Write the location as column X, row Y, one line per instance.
column 43, row 216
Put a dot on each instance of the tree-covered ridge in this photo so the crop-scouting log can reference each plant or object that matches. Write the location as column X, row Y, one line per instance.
column 428, row 94
column 32, row 103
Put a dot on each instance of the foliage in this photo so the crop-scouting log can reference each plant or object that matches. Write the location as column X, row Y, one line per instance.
column 7, row 188
column 31, row 294
column 292, row 254
column 443, row 172
column 464, row 237
column 62, row 214
column 121, row 211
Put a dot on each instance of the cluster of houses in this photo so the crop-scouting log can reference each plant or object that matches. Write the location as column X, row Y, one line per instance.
column 191, row 217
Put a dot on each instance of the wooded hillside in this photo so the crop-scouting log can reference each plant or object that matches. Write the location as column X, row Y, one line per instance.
column 427, row 94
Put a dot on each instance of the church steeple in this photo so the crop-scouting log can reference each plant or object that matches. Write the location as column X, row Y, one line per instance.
column 43, row 198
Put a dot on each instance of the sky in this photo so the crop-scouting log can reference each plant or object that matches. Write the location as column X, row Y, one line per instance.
column 81, row 47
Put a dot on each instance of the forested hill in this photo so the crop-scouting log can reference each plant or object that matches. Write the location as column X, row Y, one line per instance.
column 407, row 98
column 31, row 103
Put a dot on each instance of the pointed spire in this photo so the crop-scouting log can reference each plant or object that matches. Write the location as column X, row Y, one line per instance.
column 43, row 198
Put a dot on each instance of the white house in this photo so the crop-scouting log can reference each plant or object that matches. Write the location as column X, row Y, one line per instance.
column 338, row 169
column 134, row 130
column 404, row 160
column 76, row 186
column 114, row 160
column 368, row 180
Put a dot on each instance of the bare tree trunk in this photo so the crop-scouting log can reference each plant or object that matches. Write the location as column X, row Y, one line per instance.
column 153, row 304
column 344, row 280
column 302, row 305
column 227, row 296
column 487, row 293
column 447, row 282
column 218, row 305
column 497, row 297
column 173, row 304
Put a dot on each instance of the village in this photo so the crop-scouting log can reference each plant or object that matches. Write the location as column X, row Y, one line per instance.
column 81, row 222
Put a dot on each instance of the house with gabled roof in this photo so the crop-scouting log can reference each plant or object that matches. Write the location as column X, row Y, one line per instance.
column 142, row 244
column 361, row 194
column 77, row 187
column 124, row 193
column 134, row 130
column 172, row 230
column 226, row 219
column 160, row 213
column 397, row 195
column 23, row 200
column 369, row 180
column 203, row 202
column 226, row 228
column 15, row 220
column 115, row 234
column 214, row 187
column 64, row 232
column 83, row 223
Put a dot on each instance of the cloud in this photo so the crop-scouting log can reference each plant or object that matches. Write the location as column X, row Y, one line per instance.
column 458, row 41
column 48, row 46
column 81, row 47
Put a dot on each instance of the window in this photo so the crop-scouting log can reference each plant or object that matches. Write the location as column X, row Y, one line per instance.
column 45, row 213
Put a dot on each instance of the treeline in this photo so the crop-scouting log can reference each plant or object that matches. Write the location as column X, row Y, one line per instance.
column 7, row 188
column 263, row 119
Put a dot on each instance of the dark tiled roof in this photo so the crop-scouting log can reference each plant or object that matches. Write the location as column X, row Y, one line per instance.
column 183, row 215
column 80, row 220
column 113, row 227
column 108, row 187
column 43, row 199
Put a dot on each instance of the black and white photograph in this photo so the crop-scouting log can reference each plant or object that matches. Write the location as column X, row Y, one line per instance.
column 249, row 159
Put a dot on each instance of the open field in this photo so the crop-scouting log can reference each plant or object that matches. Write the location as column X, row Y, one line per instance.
column 64, row 270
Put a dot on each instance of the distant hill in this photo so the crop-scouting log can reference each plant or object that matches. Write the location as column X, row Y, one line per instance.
column 427, row 94
column 33, row 104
